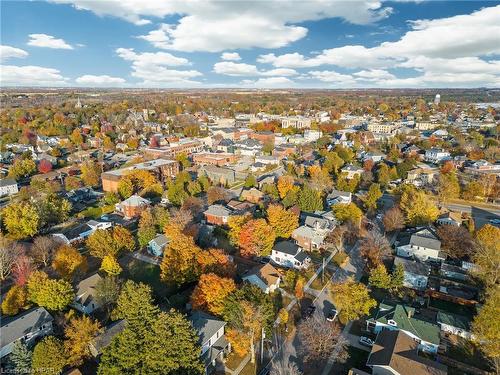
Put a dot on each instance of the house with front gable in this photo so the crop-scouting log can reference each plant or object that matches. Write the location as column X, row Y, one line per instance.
column 422, row 244
column 311, row 236
column 288, row 254
column 85, row 299
column 416, row 274
column 265, row 276
column 213, row 342
column 157, row 245
column 338, row 196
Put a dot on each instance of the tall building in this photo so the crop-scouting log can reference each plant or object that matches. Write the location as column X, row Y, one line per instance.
column 78, row 103
column 437, row 99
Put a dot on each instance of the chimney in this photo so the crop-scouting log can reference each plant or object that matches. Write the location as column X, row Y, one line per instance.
column 410, row 313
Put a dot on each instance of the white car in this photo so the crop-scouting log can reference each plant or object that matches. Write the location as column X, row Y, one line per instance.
column 366, row 341
column 332, row 315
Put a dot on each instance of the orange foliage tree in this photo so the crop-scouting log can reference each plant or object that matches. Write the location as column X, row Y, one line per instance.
column 285, row 184
column 210, row 293
column 256, row 238
column 283, row 221
column 215, row 261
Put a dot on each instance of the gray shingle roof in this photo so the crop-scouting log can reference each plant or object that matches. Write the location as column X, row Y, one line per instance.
column 287, row 247
column 414, row 267
column 205, row 325
column 18, row 326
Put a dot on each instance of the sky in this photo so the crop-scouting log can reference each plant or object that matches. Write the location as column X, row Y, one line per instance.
column 250, row 44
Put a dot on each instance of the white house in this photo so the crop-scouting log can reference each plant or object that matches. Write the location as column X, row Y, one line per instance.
column 436, row 155
column 266, row 277
column 25, row 327
column 85, row 300
column 8, row 186
column 351, row 171
column 423, row 245
column 338, row 196
column 312, row 135
column 82, row 231
column 450, row 218
column 455, row 324
column 297, row 122
column 416, row 274
column 289, row 254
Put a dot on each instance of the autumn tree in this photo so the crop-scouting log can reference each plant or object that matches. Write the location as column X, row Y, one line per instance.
column 379, row 278
column 397, row 278
column 285, row 184
column 256, row 238
column 91, row 173
column 333, row 162
column 68, row 262
column 49, row 354
column 283, row 221
column 215, row 261
column 217, row 194
column 310, row 199
column 320, row 340
column 14, row 300
column 374, row 247
column 20, row 358
column 9, row 253
column 21, row 220
column 179, row 258
column 147, row 228
column 448, row 187
column 210, row 293
column 456, row 242
column 44, row 166
column 250, row 181
column 352, row 300
column 107, row 292
column 235, row 223
column 348, row 213
column 22, row 269
column 393, row 219
column 49, row 293
column 22, row 168
column 110, row 265
column 371, row 198
column 110, row 242
column 418, row 208
column 79, row 333
column 319, row 178
column 487, row 255
column 299, row 288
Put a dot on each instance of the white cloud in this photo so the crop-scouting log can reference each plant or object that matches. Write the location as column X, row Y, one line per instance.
column 268, row 82
column 93, row 80
column 333, row 77
column 47, row 41
column 230, row 68
column 154, row 68
column 8, row 52
column 29, row 75
column 230, row 56
column 214, row 26
column 374, row 75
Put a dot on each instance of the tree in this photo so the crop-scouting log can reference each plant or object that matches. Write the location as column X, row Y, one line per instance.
column 20, row 358
column 107, row 292
column 256, row 238
column 76, row 137
column 210, row 293
column 379, row 278
column 283, row 221
column 22, row 269
column 21, row 220
column 250, row 181
column 91, row 173
column 319, row 178
column 472, row 191
column 125, row 188
column 43, row 249
column 393, row 219
column 215, row 261
column 310, row 199
column 14, row 300
column 320, row 339
column 347, row 213
column 49, row 354
column 292, row 197
column 49, row 293
column 147, row 228
column 22, row 168
column 486, row 329
column 135, row 305
column 488, row 236
column 9, row 252
column 397, row 278
column 217, row 194
column 79, row 333
column 282, row 366
column 176, row 193
column 182, row 158
column 53, row 209
column 487, row 256
column 179, row 258
column 374, row 247
column 235, row 223
column 68, row 262
column 283, row 315
column 110, row 242
column 333, row 162
column 371, row 197
column 383, row 174
column 352, row 300
column 447, row 186
column 418, row 208
column 456, row 242
column 44, row 166
column 299, row 288
column 111, row 266
column 285, row 184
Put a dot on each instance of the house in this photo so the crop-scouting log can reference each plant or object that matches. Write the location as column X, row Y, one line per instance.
column 214, row 345
column 455, row 324
column 311, row 236
column 416, row 274
column 267, row 160
column 241, row 208
column 423, row 244
column 24, row 327
column 374, row 156
column 252, row 195
column 103, row 340
column 82, row 231
column 249, row 147
column 422, row 175
column 214, row 158
column 451, row 271
column 8, row 186
column 133, row 206
column 225, row 145
column 297, row 122
column 450, row 218
column 85, row 301
column 312, row 135
column 157, row 245
column 217, row 214
column 420, row 325
column 396, row 352
column 337, row 196
column 289, row 254
column 218, row 175
column 351, row 171
column 436, row 155
column 266, row 277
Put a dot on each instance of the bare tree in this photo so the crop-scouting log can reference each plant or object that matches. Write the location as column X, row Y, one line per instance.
column 320, row 340
column 336, row 238
column 43, row 249
column 9, row 251
column 283, row 366
column 457, row 242
column 374, row 247
column 393, row 219
column 22, row 269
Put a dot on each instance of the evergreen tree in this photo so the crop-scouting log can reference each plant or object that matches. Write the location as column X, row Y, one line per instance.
column 20, row 358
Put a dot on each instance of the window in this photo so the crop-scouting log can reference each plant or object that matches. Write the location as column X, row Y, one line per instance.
column 278, row 259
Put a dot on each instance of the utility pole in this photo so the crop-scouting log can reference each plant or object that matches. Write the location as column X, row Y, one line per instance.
column 323, row 272
column 263, row 335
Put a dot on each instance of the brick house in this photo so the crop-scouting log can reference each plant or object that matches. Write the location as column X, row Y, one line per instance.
column 133, row 206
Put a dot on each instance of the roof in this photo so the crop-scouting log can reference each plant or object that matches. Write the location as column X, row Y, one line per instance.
column 205, row 325
column 421, row 323
column 287, row 247
column 400, row 352
column 135, row 200
column 339, row 193
column 160, row 240
column 147, row 165
column 104, row 339
column 412, row 266
column 16, row 327
column 85, row 290
column 7, row 182
column 217, row 210
column 454, row 320
column 267, row 273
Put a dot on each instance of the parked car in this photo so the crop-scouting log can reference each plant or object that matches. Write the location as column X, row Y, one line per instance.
column 309, row 311
column 495, row 221
column 265, row 260
column 332, row 315
column 366, row 341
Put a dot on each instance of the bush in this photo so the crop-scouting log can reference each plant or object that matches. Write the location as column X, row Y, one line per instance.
column 340, row 258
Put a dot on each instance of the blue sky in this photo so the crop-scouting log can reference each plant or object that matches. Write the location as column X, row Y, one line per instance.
column 310, row 44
